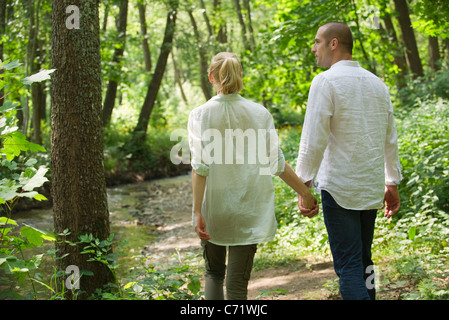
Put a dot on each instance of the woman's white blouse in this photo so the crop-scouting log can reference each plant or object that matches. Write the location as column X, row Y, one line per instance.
column 234, row 143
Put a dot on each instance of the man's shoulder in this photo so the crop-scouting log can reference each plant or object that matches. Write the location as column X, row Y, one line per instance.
column 351, row 72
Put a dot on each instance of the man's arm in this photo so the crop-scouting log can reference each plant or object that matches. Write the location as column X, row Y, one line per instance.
column 393, row 174
column 316, row 129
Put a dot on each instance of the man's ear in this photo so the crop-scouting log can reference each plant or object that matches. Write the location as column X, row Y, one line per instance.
column 334, row 43
column 211, row 79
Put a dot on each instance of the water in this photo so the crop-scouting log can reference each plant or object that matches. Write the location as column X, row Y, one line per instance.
column 134, row 218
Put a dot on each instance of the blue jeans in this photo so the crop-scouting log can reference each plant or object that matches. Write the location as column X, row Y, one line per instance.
column 350, row 238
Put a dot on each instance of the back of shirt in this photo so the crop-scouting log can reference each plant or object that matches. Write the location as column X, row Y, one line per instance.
column 230, row 143
column 349, row 137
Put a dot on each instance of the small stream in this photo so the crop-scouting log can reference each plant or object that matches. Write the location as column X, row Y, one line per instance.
column 136, row 210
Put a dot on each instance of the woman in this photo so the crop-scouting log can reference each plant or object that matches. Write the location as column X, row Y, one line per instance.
column 234, row 144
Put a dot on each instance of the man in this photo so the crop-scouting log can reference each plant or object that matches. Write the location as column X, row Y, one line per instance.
column 349, row 152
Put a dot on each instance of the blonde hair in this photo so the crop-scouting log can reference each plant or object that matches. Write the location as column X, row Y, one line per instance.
column 226, row 71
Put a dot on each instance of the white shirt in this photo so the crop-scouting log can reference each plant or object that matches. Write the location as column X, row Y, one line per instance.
column 349, row 141
column 225, row 134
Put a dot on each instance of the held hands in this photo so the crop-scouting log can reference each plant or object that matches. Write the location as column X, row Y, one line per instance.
column 308, row 205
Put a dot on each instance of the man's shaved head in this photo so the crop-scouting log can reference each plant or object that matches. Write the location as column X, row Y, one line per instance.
column 341, row 32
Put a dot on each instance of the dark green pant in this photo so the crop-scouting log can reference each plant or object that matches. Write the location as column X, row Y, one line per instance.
column 238, row 270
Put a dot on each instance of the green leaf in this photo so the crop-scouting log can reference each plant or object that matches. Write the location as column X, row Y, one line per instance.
column 36, row 236
column 412, row 233
column 15, row 143
column 11, row 65
column 37, row 180
column 40, row 197
column 8, row 191
column 6, row 220
column 8, row 106
column 30, row 162
column 38, row 77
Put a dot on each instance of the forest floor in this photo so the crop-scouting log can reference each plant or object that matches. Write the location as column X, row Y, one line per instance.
column 171, row 202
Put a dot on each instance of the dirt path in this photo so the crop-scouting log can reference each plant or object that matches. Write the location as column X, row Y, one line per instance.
column 172, row 204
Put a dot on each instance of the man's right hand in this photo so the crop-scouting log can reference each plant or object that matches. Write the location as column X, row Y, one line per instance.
column 308, row 206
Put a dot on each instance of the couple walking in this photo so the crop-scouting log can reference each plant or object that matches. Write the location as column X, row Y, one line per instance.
column 348, row 152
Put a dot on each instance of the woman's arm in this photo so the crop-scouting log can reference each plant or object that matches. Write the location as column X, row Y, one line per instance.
column 198, row 188
column 308, row 205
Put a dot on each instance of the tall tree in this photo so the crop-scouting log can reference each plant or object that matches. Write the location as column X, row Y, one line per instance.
column 222, row 35
column 202, row 50
column 78, row 182
column 411, row 53
column 242, row 25
column 111, row 92
column 141, row 128
column 434, row 53
column 250, row 23
column 2, row 31
column 398, row 56
column 144, row 34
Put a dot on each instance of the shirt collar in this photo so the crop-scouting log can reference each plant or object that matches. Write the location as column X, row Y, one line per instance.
column 349, row 63
column 226, row 97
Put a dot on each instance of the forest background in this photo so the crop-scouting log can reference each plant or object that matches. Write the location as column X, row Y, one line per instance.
column 154, row 59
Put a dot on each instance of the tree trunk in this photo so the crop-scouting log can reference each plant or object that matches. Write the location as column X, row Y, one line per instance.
column 144, row 35
column 204, row 77
column 206, row 19
column 78, row 181
column 141, row 128
column 178, row 79
column 2, row 31
column 250, row 24
column 222, row 36
column 242, row 25
column 411, row 54
column 434, row 53
column 111, row 92
column 398, row 58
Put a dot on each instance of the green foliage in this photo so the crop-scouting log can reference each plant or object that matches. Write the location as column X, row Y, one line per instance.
column 433, row 85
column 415, row 241
column 12, row 254
column 424, row 135
column 20, row 180
column 180, row 281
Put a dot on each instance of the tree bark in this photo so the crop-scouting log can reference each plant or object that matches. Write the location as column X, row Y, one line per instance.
column 206, row 19
column 408, row 36
column 2, row 31
column 141, row 128
column 242, row 25
column 144, row 35
column 78, row 181
column 111, row 92
column 434, row 53
column 250, row 24
column 222, row 36
column 178, row 79
column 204, row 78
column 398, row 58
